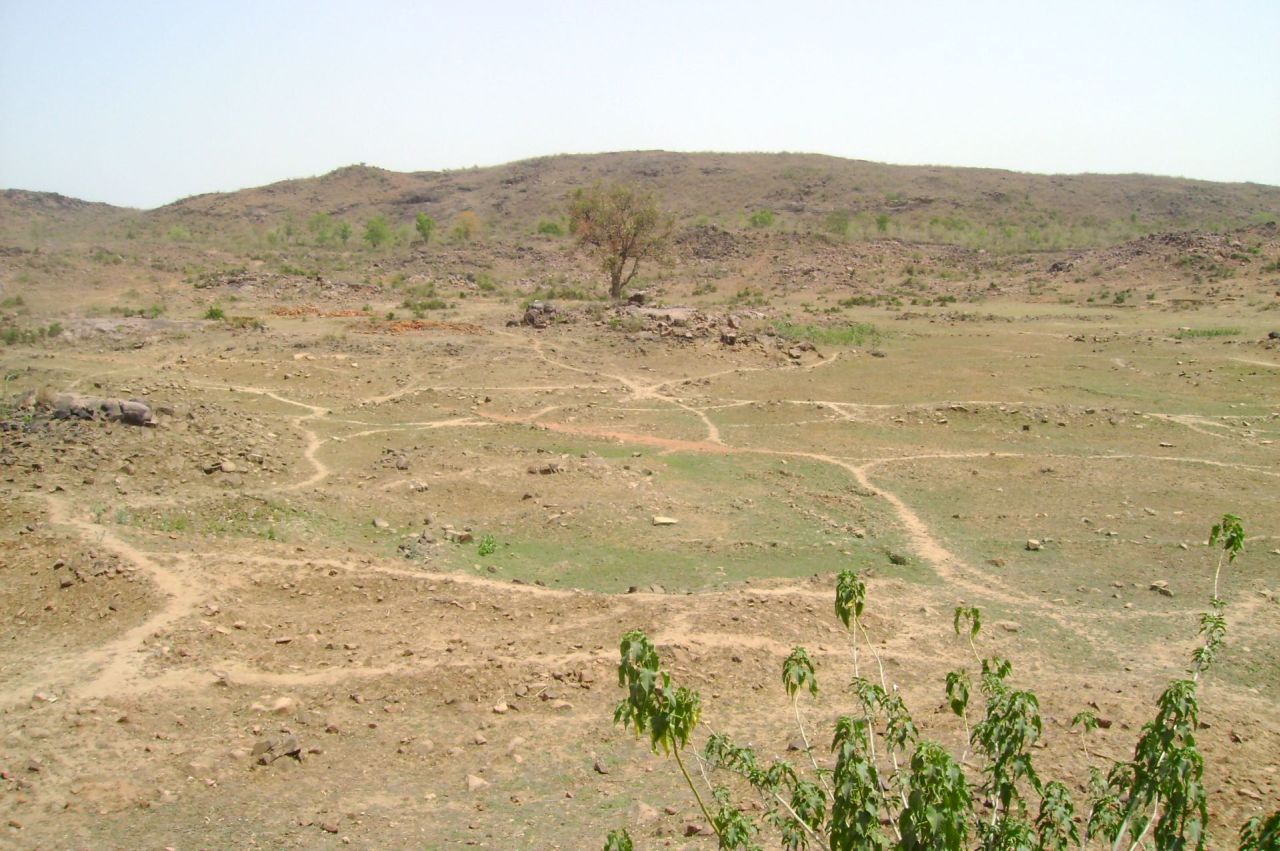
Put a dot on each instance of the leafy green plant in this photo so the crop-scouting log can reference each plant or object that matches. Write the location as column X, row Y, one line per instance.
column 890, row 788
column 546, row 227
column 215, row 313
column 761, row 219
column 488, row 546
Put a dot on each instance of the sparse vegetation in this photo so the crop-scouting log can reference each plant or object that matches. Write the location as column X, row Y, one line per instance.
column 467, row 227
column 761, row 219
column 854, row 334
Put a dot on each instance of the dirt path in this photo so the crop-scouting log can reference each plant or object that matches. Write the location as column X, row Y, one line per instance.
column 116, row 666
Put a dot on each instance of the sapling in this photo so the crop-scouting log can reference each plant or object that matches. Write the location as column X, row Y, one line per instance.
column 928, row 801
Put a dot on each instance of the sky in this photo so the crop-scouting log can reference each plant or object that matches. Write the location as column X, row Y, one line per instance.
column 143, row 103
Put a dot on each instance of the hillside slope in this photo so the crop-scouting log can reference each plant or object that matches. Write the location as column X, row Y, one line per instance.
column 802, row 189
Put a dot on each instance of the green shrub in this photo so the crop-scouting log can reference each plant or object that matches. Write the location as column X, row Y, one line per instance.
column 377, row 231
column 425, row 226
column 550, row 228
column 488, row 546
column 215, row 313
column 761, row 219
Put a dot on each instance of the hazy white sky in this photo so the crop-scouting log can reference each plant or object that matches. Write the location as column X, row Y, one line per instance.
column 141, row 103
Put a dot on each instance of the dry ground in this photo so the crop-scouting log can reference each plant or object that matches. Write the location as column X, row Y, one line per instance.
column 157, row 621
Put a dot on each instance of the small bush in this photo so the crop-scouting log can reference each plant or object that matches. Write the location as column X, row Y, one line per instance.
column 488, row 546
column 550, row 228
column 215, row 313
column 421, row 306
column 761, row 219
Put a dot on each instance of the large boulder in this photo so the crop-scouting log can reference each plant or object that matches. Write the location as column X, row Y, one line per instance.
column 73, row 406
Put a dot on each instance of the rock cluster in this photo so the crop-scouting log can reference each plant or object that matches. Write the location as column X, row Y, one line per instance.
column 72, row 406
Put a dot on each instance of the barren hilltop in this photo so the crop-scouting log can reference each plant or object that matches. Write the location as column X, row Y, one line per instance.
column 320, row 526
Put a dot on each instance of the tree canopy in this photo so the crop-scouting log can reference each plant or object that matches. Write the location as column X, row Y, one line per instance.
column 620, row 224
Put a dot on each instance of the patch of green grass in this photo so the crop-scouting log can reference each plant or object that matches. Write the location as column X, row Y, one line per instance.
column 1191, row 333
column 853, row 334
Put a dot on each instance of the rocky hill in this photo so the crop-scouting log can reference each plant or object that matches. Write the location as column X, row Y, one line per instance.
column 972, row 207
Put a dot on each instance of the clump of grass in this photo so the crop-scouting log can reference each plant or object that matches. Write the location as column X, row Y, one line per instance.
column 853, row 334
column 246, row 323
column 1191, row 333
column 421, row 306
column 215, row 313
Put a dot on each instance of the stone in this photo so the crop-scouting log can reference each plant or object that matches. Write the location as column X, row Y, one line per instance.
column 659, row 520
column 1034, row 545
column 380, row 523
column 475, row 784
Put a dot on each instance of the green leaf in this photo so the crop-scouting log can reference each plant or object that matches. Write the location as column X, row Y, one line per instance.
column 797, row 672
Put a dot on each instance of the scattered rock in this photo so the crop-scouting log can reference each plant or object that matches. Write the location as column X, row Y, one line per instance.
column 475, row 784
column 659, row 520
column 1033, row 545
column 269, row 750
